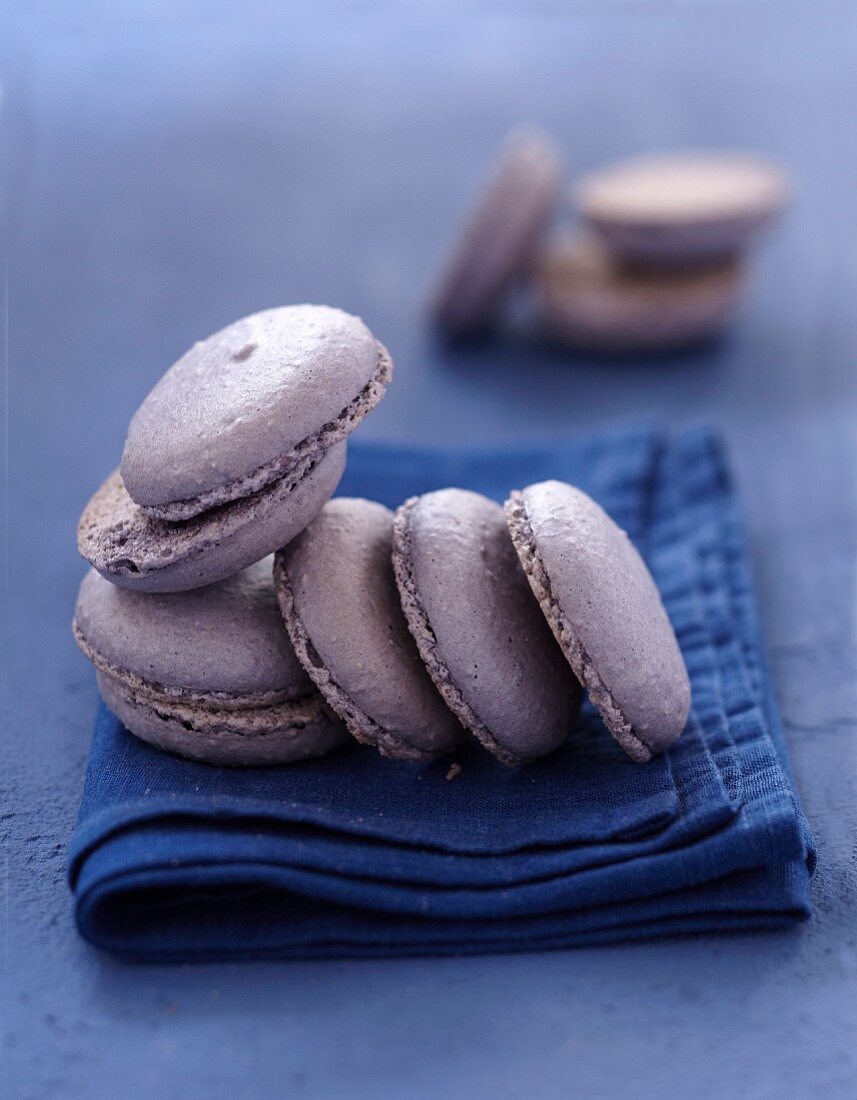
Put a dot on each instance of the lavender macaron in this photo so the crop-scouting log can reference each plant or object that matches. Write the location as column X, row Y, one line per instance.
column 606, row 613
column 209, row 674
column 500, row 238
column 340, row 604
column 478, row 627
column 682, row 208
column 235, row 449
column 135, row 551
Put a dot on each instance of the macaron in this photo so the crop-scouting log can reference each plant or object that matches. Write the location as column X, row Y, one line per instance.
column 209, row 674
column 341, row 607
column 501, row 235
column 477, row 626
column 245, row 407
column 589, row 301
column 134, row 551
column 685, row 208
column 606, row 613
column 249, row 420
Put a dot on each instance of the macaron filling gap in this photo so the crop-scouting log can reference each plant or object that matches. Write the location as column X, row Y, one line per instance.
column 565, row 634
column 427, row 643
column 361, row 726
column 212, row 718
column 309, row 449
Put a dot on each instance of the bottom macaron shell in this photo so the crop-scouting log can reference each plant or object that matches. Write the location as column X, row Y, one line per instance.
column 277, row 734
column 591, row 303
column 635, row 674
column 149, row 555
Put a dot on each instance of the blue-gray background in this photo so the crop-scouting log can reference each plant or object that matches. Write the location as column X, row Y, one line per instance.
column 167, row 168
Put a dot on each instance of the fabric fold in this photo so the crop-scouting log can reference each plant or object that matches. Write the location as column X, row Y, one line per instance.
column 356, row 855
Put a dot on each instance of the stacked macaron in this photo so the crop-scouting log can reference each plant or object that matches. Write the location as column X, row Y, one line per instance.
column 408, row 631
column 208, row 673
column 231, row 455
column 235, row 449
column 657, row 261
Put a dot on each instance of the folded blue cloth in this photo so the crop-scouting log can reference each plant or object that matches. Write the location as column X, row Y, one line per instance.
column 356, row 855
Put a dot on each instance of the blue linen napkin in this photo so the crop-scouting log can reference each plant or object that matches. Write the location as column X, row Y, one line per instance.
column 354, row 855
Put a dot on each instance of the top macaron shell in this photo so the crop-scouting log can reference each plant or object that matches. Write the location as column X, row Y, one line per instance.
column 243, row 399
column 607, row 613
column 341, row 605
column 485, row 632
column 681, row 208
column 226, row 638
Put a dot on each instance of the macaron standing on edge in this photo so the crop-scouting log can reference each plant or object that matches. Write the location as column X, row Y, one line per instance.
column 605, row 611
column 340, row 603
column 209, row 674
column 235, row 449
column 477, row 626
column 501, row 235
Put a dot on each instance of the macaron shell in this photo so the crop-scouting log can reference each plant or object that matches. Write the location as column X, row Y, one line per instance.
column 681, row 208
column 279, row 734
column 243, row 399
column 478, row 626
column 147, row 555
column 590, row 302
column 500, row 238
column 341, row 606
column 606, row 612
column 227, row 638
column 683, row 188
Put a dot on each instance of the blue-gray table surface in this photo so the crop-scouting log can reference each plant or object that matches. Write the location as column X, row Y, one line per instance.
column 167, row 169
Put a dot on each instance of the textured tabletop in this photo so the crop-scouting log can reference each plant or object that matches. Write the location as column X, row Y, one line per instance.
column 164, row 173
